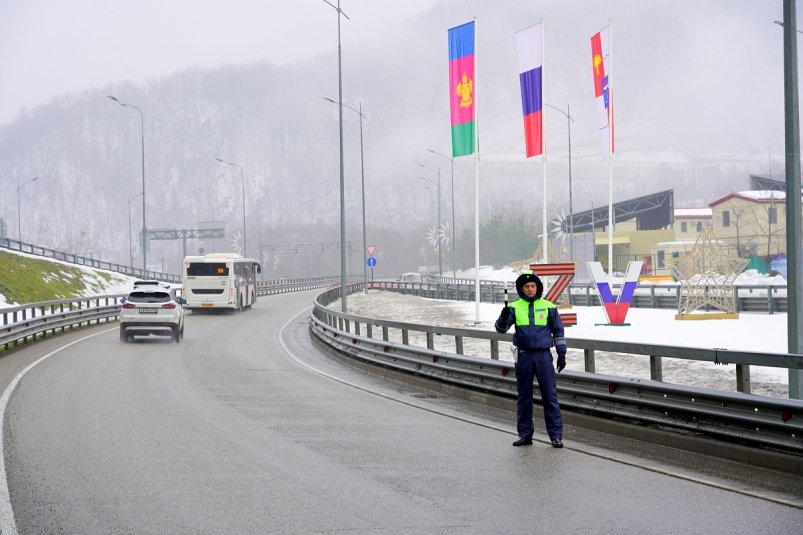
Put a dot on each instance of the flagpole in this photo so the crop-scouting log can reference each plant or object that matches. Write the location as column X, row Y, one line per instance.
column 611, row 217
column 545, row 240
column 476, row 186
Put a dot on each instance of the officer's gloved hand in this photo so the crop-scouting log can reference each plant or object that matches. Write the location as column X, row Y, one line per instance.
column 505, row 315
column 561, row 357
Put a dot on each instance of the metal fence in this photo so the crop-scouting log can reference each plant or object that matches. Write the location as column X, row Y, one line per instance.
column 748, row 298
column 81, row 260
column 756, row 420
column 24, row 323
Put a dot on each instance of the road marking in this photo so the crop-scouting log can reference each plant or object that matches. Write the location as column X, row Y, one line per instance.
column 587, row 450
column 7, row 524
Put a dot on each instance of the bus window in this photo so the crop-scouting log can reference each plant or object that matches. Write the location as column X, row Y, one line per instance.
column 207, row 269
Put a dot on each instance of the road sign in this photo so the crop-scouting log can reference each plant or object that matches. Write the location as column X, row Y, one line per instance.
column 371, row 262
column 370, row 249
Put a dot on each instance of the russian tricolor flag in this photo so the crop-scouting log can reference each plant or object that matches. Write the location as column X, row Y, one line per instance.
column 531, row 57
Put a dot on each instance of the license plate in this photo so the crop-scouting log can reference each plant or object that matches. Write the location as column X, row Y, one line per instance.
column 148, row 311
column 207, row 305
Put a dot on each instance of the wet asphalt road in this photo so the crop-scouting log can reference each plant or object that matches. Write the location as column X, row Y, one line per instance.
column 231, row 431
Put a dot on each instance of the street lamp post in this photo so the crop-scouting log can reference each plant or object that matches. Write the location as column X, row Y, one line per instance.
column 438, row 230
column 130, row 250
column 142, row 140
column 794, row 217
column 362, row 178
column 454, row 241
column 242, row 177
column 214, row 208
column 569, row 122
column 19, row 217
column 343, row 306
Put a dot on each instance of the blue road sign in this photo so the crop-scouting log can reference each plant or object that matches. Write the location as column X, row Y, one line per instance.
column 371, row 262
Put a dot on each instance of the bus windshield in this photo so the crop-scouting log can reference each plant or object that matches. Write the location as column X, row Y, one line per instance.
column 207, row 269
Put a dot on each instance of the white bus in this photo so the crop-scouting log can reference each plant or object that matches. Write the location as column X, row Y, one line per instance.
column 220, row 280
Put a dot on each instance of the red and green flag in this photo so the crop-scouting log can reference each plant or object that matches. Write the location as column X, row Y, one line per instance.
column 462, row 88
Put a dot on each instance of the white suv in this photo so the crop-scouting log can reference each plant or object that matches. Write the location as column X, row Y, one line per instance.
column 151, row 310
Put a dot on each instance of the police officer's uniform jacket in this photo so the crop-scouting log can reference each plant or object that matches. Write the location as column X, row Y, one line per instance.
column 538, row 324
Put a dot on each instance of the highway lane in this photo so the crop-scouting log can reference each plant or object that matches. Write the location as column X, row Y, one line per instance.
column 228, row 433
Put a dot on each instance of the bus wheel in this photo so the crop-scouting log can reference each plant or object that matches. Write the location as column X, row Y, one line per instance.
column 239, row 304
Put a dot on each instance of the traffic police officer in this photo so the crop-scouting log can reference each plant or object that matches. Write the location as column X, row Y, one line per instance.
column 538, row 327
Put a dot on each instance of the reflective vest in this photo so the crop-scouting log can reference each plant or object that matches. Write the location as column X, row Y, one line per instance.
column 535, row 313
column 533, row 330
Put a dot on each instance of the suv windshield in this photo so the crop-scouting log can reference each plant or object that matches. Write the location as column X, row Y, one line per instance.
column 149, row 297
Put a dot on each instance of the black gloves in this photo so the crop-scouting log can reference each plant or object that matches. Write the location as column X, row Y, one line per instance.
column 561, row 349
column 505, row 315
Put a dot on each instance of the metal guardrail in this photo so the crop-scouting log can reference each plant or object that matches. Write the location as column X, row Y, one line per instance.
column 295, row 285
column 748, row 298
column 80, row 260
column 747, row 418
column 25, row 322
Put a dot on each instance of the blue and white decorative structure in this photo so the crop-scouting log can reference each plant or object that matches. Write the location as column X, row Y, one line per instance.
column 615, row 308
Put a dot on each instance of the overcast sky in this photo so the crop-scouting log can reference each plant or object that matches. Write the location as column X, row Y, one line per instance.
column 49, row 47
column 722, row 56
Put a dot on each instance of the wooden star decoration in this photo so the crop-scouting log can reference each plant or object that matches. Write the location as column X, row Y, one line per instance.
column 707, row 275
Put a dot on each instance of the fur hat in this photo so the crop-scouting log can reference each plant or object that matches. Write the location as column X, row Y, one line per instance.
column 524, row 278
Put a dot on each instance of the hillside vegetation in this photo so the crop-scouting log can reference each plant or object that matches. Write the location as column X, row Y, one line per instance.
column 28, row 280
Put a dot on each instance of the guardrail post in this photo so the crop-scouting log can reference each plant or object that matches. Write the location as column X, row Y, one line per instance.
column 770, row 302
column 743, row 378
column 495, row 349
column 430, row 341
column 656, row 368
column 369, row 330
column 458, row 345
column 357, row 328
column 588, row 355
column 405, row 337
column 652, row 296
column 384, row 333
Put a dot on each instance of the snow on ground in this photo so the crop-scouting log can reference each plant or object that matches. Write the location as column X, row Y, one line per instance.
column 751, row 332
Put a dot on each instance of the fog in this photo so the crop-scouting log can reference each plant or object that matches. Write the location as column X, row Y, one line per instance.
column 698, row 93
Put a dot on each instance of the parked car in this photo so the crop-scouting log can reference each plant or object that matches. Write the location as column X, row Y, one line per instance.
column 152, row 310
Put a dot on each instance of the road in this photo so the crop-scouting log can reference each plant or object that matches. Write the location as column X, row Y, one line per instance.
column 245, row 427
